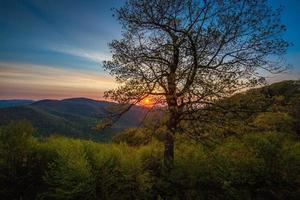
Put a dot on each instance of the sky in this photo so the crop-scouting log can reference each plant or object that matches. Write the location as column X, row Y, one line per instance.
column 53, row 49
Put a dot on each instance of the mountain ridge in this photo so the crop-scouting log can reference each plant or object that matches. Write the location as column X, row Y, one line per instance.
column 73, row 117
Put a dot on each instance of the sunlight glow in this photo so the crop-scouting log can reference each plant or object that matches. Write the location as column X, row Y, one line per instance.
column 146, row 102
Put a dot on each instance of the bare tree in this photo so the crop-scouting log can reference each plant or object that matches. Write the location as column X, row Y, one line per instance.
column 192, row 53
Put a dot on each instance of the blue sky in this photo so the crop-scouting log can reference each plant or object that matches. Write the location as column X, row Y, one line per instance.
column 54, row 48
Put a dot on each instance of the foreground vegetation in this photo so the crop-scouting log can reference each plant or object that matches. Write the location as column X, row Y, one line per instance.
column 263, row 165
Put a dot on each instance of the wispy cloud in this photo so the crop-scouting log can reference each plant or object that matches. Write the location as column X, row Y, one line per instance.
column 95, row 56
column 19, row 80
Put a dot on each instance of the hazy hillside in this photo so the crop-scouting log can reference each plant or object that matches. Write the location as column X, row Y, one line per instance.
column 14, row 102
column 75, row 117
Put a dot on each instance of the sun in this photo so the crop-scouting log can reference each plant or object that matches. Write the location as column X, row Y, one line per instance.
column 147, row 101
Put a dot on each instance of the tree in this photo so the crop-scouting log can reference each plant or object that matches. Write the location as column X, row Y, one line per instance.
column 16, row 161
column 188, row 54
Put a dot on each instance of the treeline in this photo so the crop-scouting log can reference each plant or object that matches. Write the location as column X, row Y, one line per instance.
column 257, row 165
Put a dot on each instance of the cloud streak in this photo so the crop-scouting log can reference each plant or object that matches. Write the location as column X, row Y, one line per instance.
column 95, row 56
column 19, row 80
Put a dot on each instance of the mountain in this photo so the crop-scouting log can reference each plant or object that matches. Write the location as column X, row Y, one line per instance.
column 275, row 105
column 14, row 102
column 278, row 97
column 76, row 117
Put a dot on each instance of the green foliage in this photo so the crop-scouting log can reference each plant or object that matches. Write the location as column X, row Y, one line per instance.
column 257, row 165
column 18, row 169
column 271, row 108
column 274, row 121
column 134, row 137
column 68, row 175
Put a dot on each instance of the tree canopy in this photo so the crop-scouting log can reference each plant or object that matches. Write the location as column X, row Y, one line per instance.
column 187, row 54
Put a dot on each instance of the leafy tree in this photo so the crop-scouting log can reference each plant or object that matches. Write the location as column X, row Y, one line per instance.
column 187, row 54
column 18, row 176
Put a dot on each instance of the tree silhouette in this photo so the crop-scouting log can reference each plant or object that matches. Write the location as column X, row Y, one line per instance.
column 192, row 53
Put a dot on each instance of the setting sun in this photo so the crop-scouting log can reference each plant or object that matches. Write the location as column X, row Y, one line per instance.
column 146, row 102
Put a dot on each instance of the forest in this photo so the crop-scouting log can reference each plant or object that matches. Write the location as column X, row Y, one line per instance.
column 250, row 156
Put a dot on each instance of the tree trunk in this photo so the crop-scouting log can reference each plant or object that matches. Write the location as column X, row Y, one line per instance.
column 173, row 113
column 169, row 138
column 169, row 151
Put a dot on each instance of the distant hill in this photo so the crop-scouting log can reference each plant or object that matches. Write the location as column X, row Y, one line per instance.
column 271, row 108
column 14, row 102
column 76, row 117
column 276, row 102
column 278, row 97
